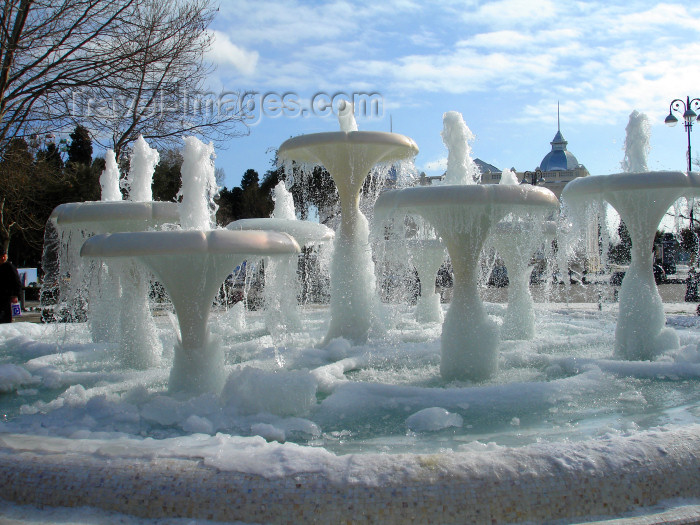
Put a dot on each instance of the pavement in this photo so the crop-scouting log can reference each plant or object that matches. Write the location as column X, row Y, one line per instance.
column 599, row 291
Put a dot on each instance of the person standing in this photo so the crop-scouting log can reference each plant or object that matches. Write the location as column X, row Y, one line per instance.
column 10, row 285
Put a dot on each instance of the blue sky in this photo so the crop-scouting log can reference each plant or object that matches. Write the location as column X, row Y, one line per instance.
column 503, row 64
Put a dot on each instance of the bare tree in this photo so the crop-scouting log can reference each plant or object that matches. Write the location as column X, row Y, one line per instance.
column 161, row 92
column 119, row 67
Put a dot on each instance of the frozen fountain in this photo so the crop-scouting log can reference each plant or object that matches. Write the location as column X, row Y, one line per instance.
column 427, row 256
column 641, row 199
column 463, row 216
column 191, row 264
column 281, row 281
column 349, row 155
column 563, row 431
column 516, row 239
column 463, row 213
column 133, row 327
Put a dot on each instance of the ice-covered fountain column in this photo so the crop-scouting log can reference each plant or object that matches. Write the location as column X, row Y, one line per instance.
column 516, row 242
column 349, row 156
column 139, row 343
column 281, row 279
column 427, row 255
column 641, row 199
column 104, row 291
column 463, row 216
column 191, row 264
column 516, row 239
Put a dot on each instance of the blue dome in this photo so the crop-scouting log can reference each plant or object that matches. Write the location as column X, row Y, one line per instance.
column 559, row 159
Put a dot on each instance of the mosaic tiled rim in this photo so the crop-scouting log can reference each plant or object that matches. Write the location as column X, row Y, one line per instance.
column 602, row 477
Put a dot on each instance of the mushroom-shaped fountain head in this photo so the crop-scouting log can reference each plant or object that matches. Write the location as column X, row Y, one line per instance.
column 191, row 265
column 348, row 157
column 641, row 199
column 462, row 216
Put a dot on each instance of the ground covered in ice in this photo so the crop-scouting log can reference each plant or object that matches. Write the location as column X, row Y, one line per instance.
column 385, row 396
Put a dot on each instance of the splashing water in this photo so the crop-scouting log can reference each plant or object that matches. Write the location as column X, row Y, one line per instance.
column 198, row 209
column 637, row 143
column 461, row 169
column 284, row 203
column 509, row 177
column 109, row 180
column 143, row 161
column 346, row 117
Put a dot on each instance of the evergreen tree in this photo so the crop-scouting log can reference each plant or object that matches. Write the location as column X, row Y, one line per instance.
column 621, row 253
column 167, row 178
column 80, row 149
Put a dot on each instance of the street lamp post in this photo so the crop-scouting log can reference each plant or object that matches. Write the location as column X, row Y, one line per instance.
column 686, row 110
column 535, row 177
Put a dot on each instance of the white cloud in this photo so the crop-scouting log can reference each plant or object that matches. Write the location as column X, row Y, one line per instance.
column 516, row 13
column 602, row 58
column 225, row 52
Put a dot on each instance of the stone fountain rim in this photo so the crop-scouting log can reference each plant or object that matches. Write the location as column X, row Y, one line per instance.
column 91, row 212
column 618, row 467
column 305, row 232
column 189, row 242
column 296, row 145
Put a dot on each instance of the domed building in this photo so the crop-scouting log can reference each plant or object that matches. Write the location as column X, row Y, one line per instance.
column 558, row 167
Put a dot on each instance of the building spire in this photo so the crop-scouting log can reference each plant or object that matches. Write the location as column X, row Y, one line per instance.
column 558, row 126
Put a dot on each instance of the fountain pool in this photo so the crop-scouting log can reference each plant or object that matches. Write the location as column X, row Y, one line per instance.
column 563, row 429
column 368, row 428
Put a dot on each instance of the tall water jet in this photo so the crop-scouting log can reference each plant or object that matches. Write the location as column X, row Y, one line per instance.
column 109, row 180
column 461, row 168
column 198, row 209
column 349, row 156
column 143, row 162
column 638, row 132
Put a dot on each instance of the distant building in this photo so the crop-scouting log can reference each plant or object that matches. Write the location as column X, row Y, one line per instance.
column 558, row 167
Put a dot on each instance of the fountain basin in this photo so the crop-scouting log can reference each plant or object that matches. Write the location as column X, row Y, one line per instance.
column 536, row 484
column 563, row 431
column 116, row 215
